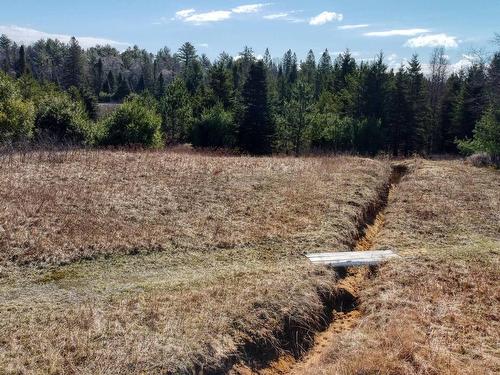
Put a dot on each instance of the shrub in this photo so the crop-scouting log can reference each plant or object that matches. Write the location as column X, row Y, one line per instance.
column 216, row 129
column 486, row 136
column 62, row 120
column 135, row 122
column 16, row 114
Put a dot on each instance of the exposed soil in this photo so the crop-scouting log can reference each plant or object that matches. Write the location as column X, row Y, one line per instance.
column 345, row 313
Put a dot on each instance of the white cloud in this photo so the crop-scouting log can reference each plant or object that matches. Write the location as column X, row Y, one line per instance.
column 400, row 32
column 190, row 15
column 185, row 13
column 203, row 45
column 325, row 17
column 28, row 36
column 276, row 16
column 249, row 8
column 432, row 40
column 351, row 27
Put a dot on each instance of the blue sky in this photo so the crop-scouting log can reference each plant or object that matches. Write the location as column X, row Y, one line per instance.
column 399, row 28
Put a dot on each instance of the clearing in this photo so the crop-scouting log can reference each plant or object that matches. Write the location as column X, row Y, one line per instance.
column 122, row 262
column 179, row 262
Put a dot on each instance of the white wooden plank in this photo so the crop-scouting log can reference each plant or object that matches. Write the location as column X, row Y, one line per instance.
column 351, row 258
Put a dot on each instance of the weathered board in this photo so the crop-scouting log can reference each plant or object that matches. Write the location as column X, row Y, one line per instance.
column 352, row 258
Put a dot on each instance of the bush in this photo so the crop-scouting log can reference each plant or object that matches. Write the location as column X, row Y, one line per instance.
column 16, row 115
column 486, row 136
column 216, row 129
column 61, row 119
column 135, row 122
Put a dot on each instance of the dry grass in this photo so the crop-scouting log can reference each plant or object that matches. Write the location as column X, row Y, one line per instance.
column 115, row 262
column 437, row 311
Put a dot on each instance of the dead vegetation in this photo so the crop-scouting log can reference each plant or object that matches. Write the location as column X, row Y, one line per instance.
column 136, row 262
column 436, row 311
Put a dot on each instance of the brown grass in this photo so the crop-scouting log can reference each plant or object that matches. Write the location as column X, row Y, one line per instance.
column 116, row 262
column 436, row 311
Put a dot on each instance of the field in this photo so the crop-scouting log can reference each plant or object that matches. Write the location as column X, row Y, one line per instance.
column 116, row 262
column 179, row 262
column 437, row 310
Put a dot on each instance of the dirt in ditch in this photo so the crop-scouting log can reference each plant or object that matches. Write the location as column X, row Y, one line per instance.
column 345, row 314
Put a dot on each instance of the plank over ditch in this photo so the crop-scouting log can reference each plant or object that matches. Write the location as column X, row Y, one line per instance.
column 352, row 258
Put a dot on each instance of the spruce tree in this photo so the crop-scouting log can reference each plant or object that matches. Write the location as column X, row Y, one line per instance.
column 256, row 130
column 177, row 112
column 98, row 76
column 5, row 45
column 123, row 89
column 73, row 65
column 220, row 85
column 21, row 66
column 417, row 131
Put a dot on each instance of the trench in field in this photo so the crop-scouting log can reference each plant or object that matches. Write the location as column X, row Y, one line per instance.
column 341, row 311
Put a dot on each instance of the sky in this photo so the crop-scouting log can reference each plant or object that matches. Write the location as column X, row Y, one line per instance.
column 399, row 28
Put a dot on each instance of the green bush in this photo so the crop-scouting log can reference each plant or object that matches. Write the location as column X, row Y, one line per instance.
column 61, row 119
column 486, row 136
column 16, row 115
column 216, row 129
column 136, row 122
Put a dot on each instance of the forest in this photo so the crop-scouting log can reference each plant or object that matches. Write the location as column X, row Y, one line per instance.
column 52, row 92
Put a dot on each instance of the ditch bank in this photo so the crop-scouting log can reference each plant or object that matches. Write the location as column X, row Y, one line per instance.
column 300, row 346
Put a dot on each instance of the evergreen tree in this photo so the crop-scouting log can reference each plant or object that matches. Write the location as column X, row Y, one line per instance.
column 141, row 85
column 160, row 86
column 123, row 89
column 268, row 61
column 5, row 44
column 98, row 76
column 21, row 66
column 416, row 132
column 256, row 130
column 398, row 113
column 220, row 85
column 451, row 104
column 186, row 55
column 109, row 86
column 475, row 100
column 494, row 80
column 73, row 65
column 308, row 68
column 176, row 111
column 437, row 84
column 324, row 76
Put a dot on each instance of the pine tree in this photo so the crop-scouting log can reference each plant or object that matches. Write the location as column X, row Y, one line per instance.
column 308, row 68
column 451, row 103
column 109, row 85
column 73, row 65
column 160, row 86
column 141, row 85
column 494, row 80
column 324, row 76
column 437, row 85
column 417, row 131
column 176, row 111
column 268, row 61
column 186, row 55
column 475, row 99
column 21, row 66
column 220, row 85
column 5, row 45
column 398, row 112
column 98, row 76
column 123, row 89
column 256, row 131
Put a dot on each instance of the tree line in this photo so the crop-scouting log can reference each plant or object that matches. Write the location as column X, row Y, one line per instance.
column 51, row 90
